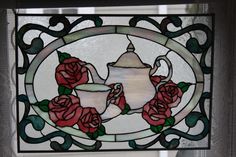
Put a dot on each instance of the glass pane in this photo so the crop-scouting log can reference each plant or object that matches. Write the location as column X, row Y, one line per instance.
column 183, row 57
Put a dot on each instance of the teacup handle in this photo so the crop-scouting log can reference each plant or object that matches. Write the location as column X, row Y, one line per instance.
column 157, row 64
column 116, row 86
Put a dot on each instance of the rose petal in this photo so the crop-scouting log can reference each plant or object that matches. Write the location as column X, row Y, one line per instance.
column 82, row 127
column 151, row 121
column 180, row 93
column 174, row 104
column 155, row 112
column 67, row 114
column 90, row 120
column 59, row 114
column 73, row 120
column 71, row 60
column 61, row 80
column 122, row 103
column 157, row 117
column 53, row 117
column 92, row 130
column 168, row 113
column 60, row 67
column 71, row 73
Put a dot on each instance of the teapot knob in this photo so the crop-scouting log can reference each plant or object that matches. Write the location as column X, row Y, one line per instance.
column 130, row 47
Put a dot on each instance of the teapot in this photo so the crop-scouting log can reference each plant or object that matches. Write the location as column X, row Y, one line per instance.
column 134, row 75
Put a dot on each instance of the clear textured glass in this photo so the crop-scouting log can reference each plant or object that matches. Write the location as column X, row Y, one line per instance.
column 156, row 94
column 119, row 10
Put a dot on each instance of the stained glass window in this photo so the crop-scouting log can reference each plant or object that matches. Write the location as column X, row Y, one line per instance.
column 113, row 82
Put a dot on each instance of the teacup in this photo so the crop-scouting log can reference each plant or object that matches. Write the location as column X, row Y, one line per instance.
column 95, row 95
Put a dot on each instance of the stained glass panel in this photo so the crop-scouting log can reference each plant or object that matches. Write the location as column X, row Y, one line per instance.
column 113, row 82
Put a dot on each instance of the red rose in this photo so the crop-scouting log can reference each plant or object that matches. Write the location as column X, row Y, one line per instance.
column 90, row 120
column 118, row 101
column 170, row 94
column 71, row 73
column 65, row 110
column 155, row 112
column 156, row 79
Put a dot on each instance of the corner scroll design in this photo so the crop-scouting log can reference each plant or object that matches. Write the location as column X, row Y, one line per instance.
column 37, row 43
column 192, row 43
column 193, row 47
column 38, row 124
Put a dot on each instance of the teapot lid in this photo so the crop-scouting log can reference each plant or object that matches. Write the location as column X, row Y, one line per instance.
column 129, row 59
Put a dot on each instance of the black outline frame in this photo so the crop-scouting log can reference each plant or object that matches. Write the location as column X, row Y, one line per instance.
column 211, row 15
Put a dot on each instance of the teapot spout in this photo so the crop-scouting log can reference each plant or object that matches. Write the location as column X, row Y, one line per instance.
column 96, row 78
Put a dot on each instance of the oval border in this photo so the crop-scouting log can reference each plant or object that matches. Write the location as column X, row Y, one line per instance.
column 116, row 29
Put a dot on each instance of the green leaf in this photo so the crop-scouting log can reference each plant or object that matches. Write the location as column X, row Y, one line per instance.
column 62, row 90
column 92, row 136
column 193, row 46
column 184, row 86
column 101, row 131
column 43, row 105
column 62, row 56
column 132, row 144
column 156, row 129
column 95, row 134
column 126, row 109
column 170, row 121
column 23, row 98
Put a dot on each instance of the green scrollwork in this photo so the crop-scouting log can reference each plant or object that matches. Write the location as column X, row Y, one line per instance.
column 37, row 43
column 38, row 124
column 192, row 43
column 191, row 120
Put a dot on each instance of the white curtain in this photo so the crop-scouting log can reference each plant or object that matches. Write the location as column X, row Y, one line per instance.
column 5, row 92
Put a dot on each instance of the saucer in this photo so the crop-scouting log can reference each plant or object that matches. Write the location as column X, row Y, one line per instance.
column 111, row 112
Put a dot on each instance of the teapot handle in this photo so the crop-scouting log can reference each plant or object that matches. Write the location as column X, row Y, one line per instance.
column 157, row 64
